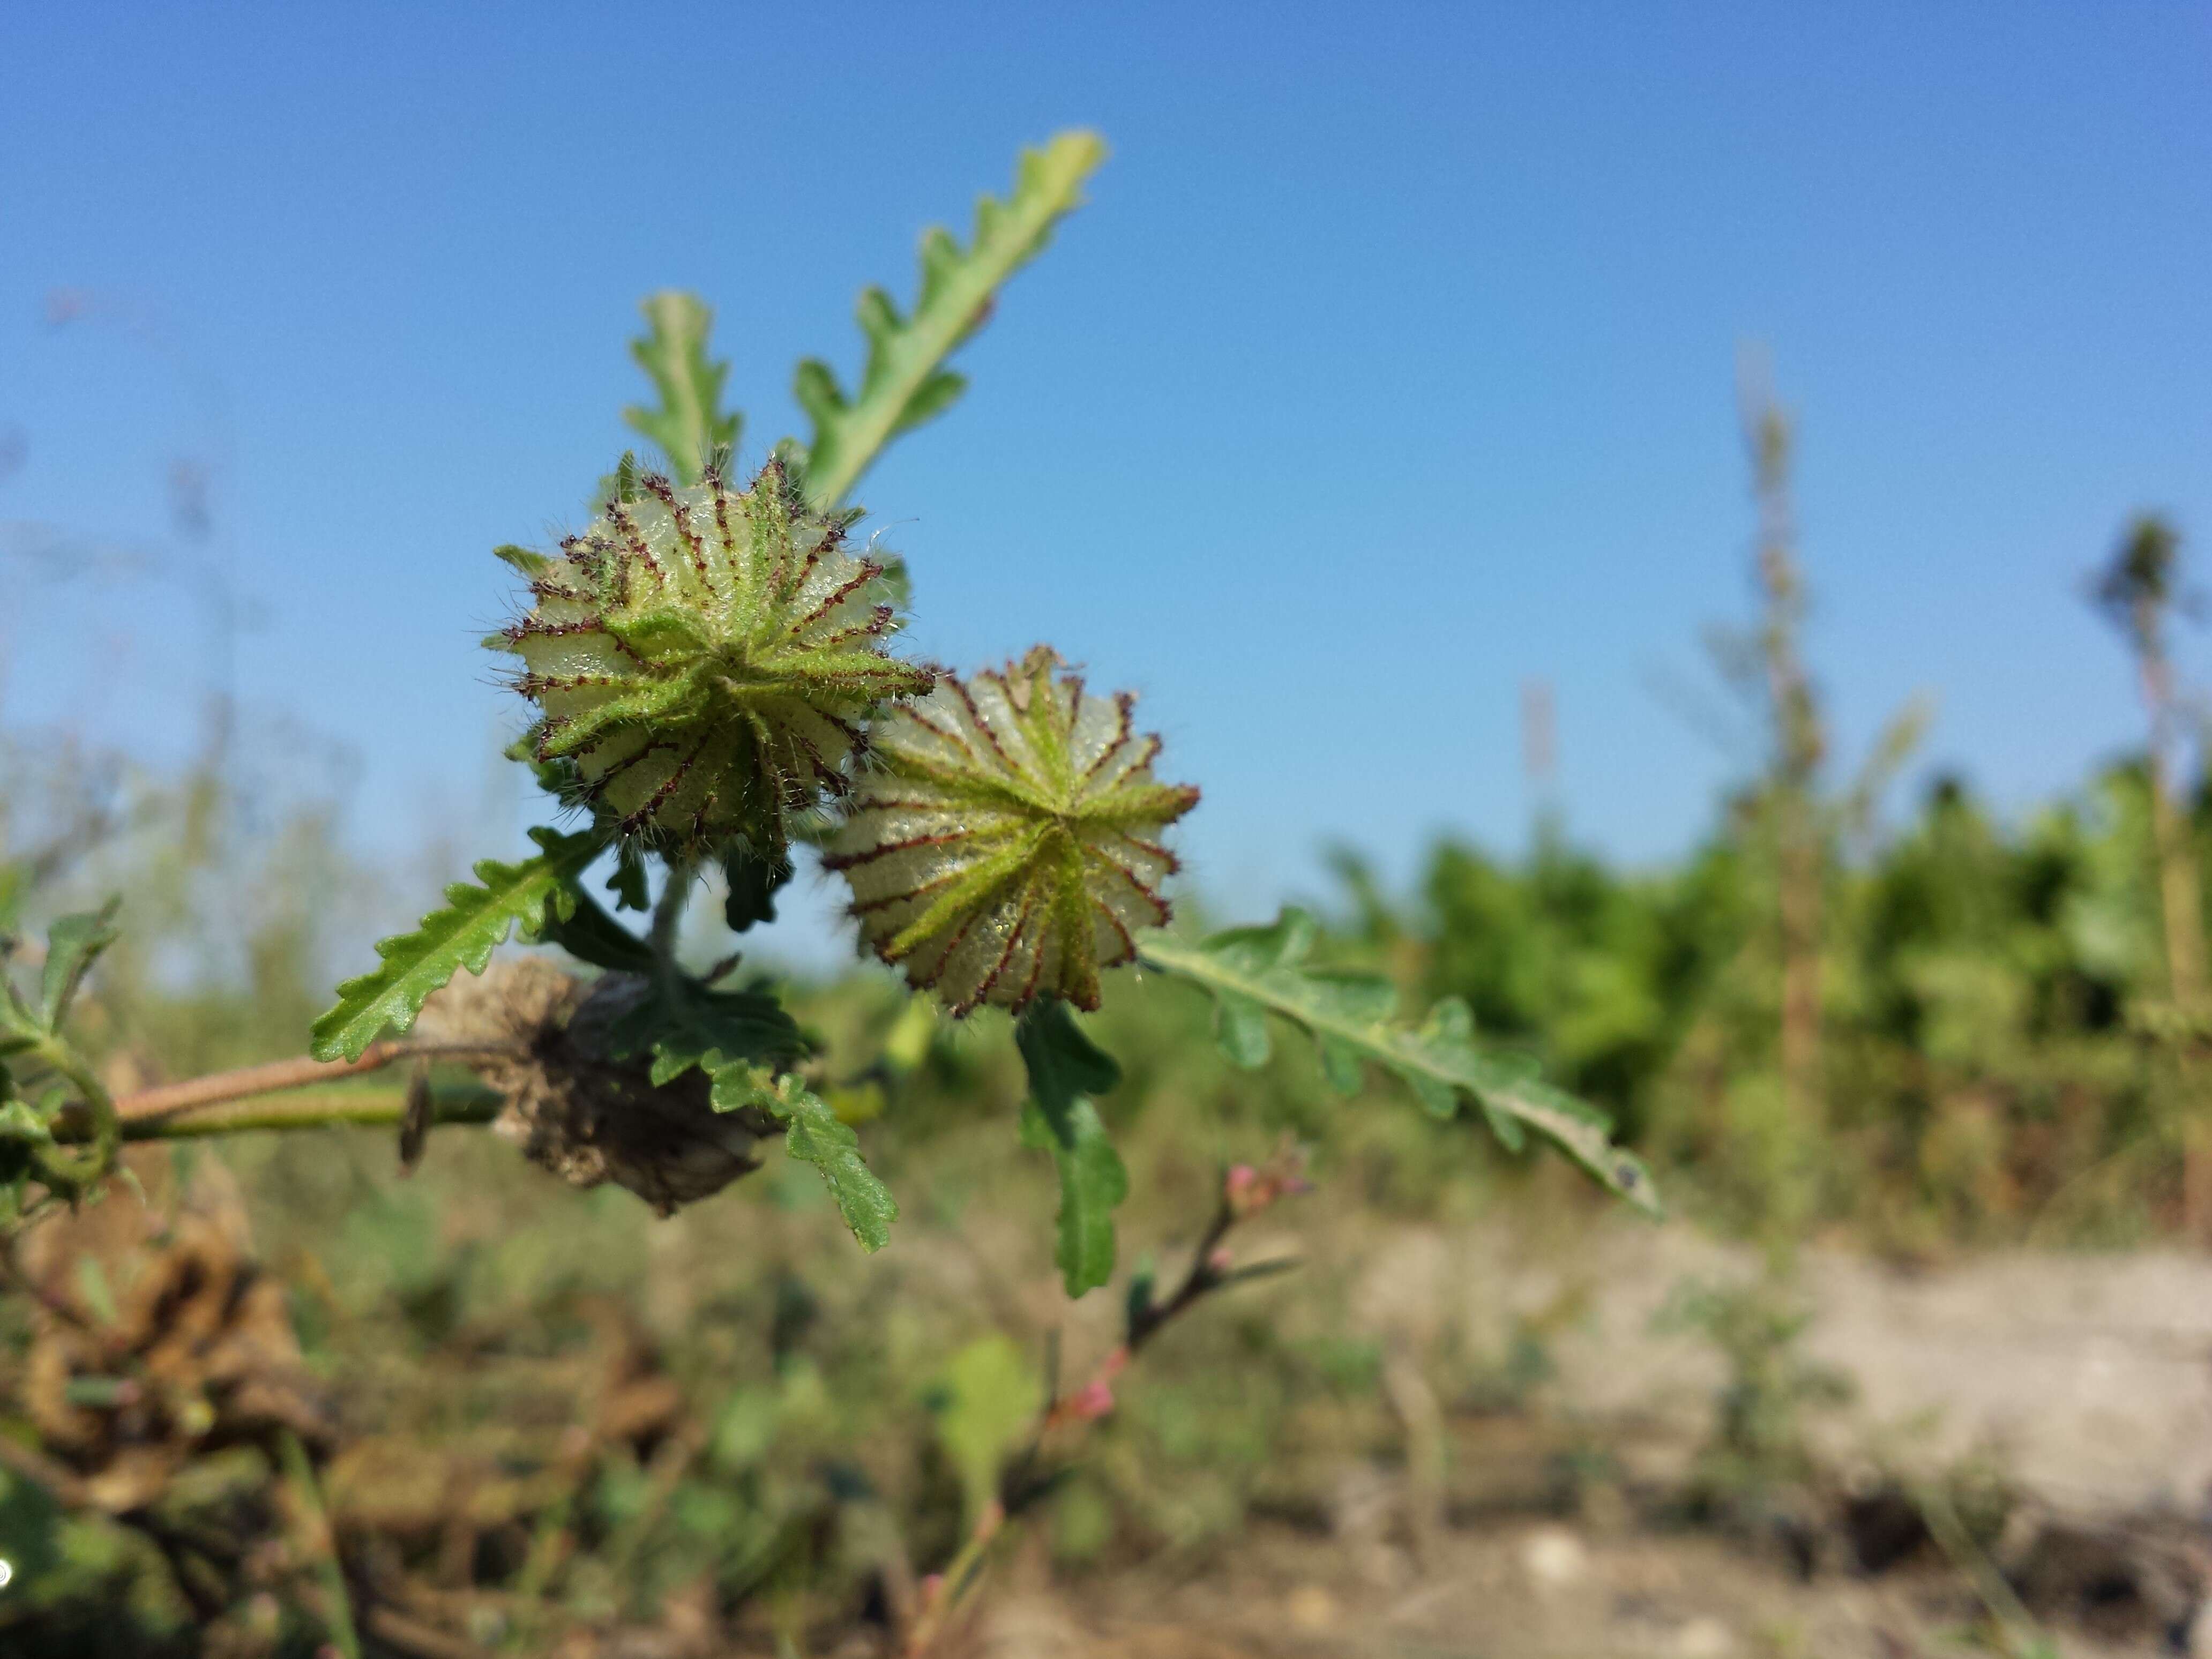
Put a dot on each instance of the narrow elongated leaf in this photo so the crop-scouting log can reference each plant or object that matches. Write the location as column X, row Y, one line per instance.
column 690, row 424
column 1254, row 972
column 814, row 1135
column 905, row 382
column 1066, row 1066
column 73, row 945
column 474, row 920
column 1092, row 1181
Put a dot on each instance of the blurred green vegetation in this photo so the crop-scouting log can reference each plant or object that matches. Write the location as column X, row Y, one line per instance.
column 541, row 1417
column 548, row 1411
column 1993, row 1066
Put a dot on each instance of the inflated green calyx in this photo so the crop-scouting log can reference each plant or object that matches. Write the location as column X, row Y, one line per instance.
column 705, row 659
column 1004, row 844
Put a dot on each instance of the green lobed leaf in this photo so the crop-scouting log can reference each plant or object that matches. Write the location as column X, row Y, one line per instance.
column 626, row 881
column 474, row 921
column 1092, row 1181
column 690, row 424
column 1062, row 1061
column 989, row 1395
column 73, row 945
column 904, row 382
column 1065, row 1066
column 814, row 1134
column 1254, row 972
column 684, row 1024
column 588, row 934
column 754, row 882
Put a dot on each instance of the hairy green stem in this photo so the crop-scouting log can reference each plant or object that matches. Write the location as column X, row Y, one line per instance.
column 668, row 922
column 327, row 1107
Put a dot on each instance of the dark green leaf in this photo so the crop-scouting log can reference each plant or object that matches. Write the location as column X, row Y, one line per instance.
column 1137, row 1306
column 1062, row 1061
column 1092, row 1181
column 905, row 381
column 1065, row 1066
column 814, row 1135
column 627, row 880
column 588, row 934
column 684, row 1025
column 474, row 921
column 73, row 945
column 1254, row 971
column 754, row 882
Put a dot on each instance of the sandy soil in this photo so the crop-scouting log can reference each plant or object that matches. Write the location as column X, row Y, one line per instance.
column 2084, row 1381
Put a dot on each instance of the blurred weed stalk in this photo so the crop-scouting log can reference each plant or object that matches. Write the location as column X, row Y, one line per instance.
column 2139, row 591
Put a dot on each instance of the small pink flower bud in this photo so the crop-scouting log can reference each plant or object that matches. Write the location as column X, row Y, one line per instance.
column 1093, row 1401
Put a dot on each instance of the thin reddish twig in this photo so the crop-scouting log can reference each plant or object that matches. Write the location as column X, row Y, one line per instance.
column 279, row 1075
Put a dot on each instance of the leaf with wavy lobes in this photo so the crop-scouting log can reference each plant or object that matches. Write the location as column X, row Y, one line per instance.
column 1065, row 1066
column 814, row 1134
column 1256, row 972
column 588, row 934
column 905, row 382
column 474, row 920
column 690, row 424
column 685, row 1023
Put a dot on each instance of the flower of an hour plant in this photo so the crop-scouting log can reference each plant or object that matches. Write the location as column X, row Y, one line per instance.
column 1004, row 843
column 705, row 659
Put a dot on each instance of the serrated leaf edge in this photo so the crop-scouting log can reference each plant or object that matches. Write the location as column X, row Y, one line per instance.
column 1430, row 1059
column 904, row 382
column 476, row 918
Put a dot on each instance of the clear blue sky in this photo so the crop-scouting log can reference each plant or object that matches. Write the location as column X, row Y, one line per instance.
column 1391, row 365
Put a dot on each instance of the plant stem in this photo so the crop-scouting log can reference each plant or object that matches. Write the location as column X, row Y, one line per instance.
column 1024, row 1481
column 668, row 922
column 320, row 1108
column 2014, row 1623
column 955, row 1582
column 282, row 1076
column 1800, row 743
column 214, row 1104
column 337, row 1614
